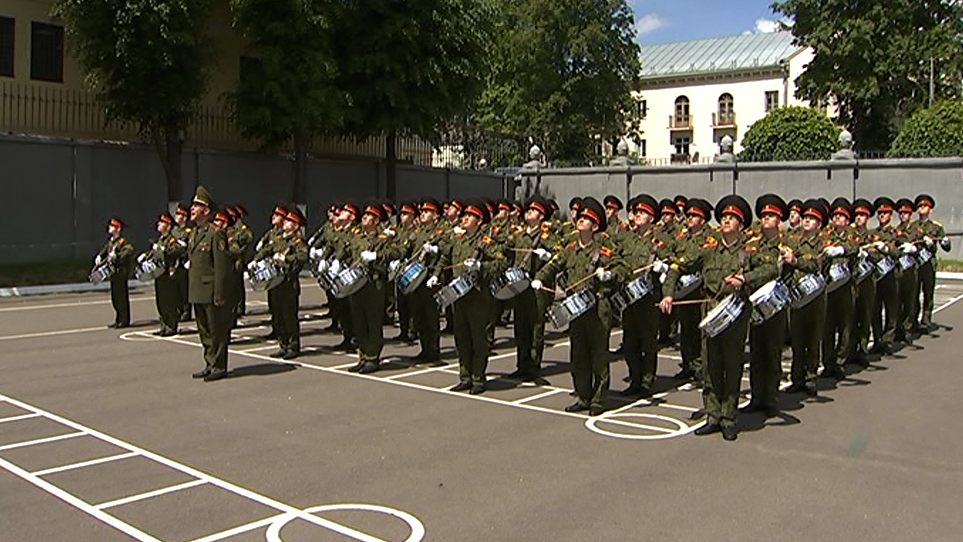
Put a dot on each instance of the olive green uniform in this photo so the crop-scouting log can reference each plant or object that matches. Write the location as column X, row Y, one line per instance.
column 210, row 277
column 424, row 309
column 887, row 294
column 367, row 305
column 806, row 323
column 689, row 316
column 171, row 251
column 291, row 254
column 640, row 320
column 264, row 248
column 840, row 303
column 926, row 272
column 239, row 242
column 120, row 253
column 182, row 234
column 908, row 284
column 767, row 339
column 865, row 298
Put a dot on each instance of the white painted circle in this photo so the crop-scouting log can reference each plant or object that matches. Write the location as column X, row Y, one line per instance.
column 417, row 529
column 592, row 425
column 139, row 336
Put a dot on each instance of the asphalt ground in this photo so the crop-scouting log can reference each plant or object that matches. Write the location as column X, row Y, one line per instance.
column 104, row 436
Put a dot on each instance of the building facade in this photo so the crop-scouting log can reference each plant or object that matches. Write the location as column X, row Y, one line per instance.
column 696, row 92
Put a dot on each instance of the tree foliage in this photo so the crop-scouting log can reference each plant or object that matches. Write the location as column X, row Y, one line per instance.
column 563, row 72
column 790, row 133
column 931, row 132
column 872, row 57
column 147, row 62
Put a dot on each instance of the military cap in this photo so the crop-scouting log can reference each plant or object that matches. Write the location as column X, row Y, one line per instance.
column 553, row 204
column 182, row 209
column 202, row 196
column 239, row 210
column 518, row 207
column 457, row 204
column 409, row 208
column 389, row 208
column 841, row 206
column 815, row 209
column 825, row 203
column 884, row 204
column 281, row 209
column 680, row 200
column 905, row 205
column 771, row 204
column 646, row 204
column 667, row 206
column 376, row 209
column 224, row 216
column 539, row 204
column 796, row 205
column 613, row 202
column 699, row 207
column 925, row 199
column 116, row 222
column 504, row 204
column 736, row 206
column 231, row 211
column 295, row 215
column 489, row 204
column 476, row 207
column 593, row 210
column 429, row 203
column 575, row 203
column 862, row 206
column 166, row 218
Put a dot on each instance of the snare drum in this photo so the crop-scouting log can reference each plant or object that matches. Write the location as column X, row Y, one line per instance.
column 455, row 290
column 566, row 311
column 348, row 281
column 149, row 269
column 687, row 284
column 863, row 270
column 722, row 315
column 768, row 301
column 906, row 262
column 883, row 268
column 633, row 292
column 510, row 283
column 412, row 277
column 806, row 289
column 101, row 273
column 838, row 276
column 264, row 275
column 924, row 256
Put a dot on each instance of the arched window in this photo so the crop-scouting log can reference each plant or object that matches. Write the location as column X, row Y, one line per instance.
column 726, row 111
column 682, row 111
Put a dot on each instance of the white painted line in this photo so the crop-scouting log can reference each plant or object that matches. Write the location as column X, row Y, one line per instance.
column 82, row 464
column 240, row 529
column 53, row 333
column 948, row 303
column 68, row 305
column 121, row 526
column 537, row 396
column 41, row 441
column 21, row 417
column 676, row 407
column 422, row 371
column 149, row 494
column 259, row 348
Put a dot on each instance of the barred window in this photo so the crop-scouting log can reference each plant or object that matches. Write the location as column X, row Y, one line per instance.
column 6, row 46
column 47, row 52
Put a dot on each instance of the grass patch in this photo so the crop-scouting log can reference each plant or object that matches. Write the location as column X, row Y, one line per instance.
column 950, row 265
column 50, row 272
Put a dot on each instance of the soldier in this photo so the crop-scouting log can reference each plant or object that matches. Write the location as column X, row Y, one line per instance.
column 669, row 226
column 840, row 250
column 908, row 235
column 613, row 206
column 795, row 215
column 169, row 250
column 933, row 234
column 801, row 257
column 682, row 207
column 574, row 206
column 594, row 266
column 887, row 294
column 644, row 248
column 182, row 232
column 529, row 248
column 291, row 254
column 766, row 339
column 866, row 239
column 407, row 233
column 240, row 240
column 476, row 253
column 210, row 272
column 424, row 308
column 728, row 262
column 373, row 249
column 344, row 231
column 118, row 252
column 265, row 245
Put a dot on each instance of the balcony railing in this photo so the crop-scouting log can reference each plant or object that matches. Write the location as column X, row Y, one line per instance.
column 724, row 120
column 680, row 122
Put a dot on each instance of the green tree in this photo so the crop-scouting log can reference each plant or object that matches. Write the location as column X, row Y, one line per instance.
column 563, row 73
column 287, row 90
column 790, row 133
column 147, row 62
column 931, row 132
column 874, row 58
column 408, row 67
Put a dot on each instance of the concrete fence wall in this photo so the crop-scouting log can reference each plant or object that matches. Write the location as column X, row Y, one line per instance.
column 59, row 194
column 941, row 178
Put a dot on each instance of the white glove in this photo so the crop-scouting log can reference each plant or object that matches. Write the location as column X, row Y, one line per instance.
column 278, row 257
column 945, row 243
column 158, row 247
column 97, row 260
column 835, row 251
column 111, row 256
column 142, row 257
column 458, row 230
column 313, row 253
column 369, row 256
column 322, row 266
column 431, row 282
column 430, row 248
column 879, row 245
column 863, row 253
column 543, row 254
column 335, row 266
column 908, row 248
column 472, row 264
column 536, row 284
column 928, row 240
column 603, row 274
column 659, row 266
column 393, row 265
column 187, row 264
column 388, row 231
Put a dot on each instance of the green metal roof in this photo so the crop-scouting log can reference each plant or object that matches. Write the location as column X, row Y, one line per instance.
column 731, row 53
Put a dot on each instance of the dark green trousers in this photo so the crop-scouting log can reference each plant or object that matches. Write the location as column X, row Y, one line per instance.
column 471, row 314
column 424, row 310
column 640, row 340
column 725, row 357
column 806, row 329
column 367, row 319
column 589, row 357
column 690, row 336
column 862, row 318
column 287, row 302
column 181, row 278
column 529, row 330
column 766, row 342
column 120, row 298
column 168, row 302
column 214, row 330
column 838, row 326
column 927, row 285
column 887, row 300
column 908, row 288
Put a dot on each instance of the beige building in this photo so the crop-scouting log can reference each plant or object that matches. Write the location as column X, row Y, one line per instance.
column 42, row 90
column 696, row 92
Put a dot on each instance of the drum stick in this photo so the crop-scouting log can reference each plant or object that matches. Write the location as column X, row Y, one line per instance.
column 580, row 281
column 523, row 249
column 454, row 265
column 552, row 290
column 691, row 301
column 643, row 268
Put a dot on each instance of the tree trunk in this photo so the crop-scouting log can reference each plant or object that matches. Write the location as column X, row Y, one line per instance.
column 391, row 165
column 300, row 192
column 169, row 149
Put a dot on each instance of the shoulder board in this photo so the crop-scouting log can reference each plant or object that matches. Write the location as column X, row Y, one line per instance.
column 606, row 252
column 383, row 235
column 487, row 240
column 571, row 245
column 298, row 241
column 754, row 238
column 545, row 235
column 937, row 222
column 546, row 226
column 120, row 240
column 710, row 242
column 604, row 235
column 751, row 248
column 681, row 233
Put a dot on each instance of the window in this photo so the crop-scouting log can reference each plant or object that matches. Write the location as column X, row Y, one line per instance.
column 727, row 113
column 6, row 46
column 47, row 52
column 682, row 111
column 641, row 144
column 772, row 100
column 682, row 145
column 643, row 109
